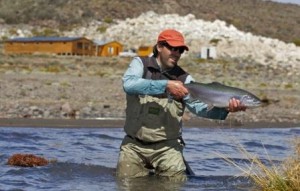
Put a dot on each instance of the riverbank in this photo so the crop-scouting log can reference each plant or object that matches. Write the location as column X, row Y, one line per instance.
column 73, row 89
column 119, row 122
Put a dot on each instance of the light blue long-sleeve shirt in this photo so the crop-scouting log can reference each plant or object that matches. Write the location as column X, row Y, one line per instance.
column 134, row 83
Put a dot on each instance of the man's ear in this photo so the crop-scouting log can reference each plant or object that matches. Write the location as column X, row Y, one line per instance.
column 159, row 47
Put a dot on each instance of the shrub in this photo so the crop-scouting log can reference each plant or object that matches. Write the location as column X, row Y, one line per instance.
column 101, row 29
column 44, row 32
column 13, row 31
column 296, row 42
column 49, row 32
column 214, row 41
column 108, row 20
column 288, row 86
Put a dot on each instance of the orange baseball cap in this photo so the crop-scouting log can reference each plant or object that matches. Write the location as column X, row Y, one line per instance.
column 173, row 38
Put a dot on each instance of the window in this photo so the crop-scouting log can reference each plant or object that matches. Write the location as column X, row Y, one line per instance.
column 79, row 45
column 111, row 50
column 86, row 46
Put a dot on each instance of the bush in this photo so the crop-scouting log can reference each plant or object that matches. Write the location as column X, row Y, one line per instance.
column 296, row 42
column 214, row 41
column 108, row 20
column 101, row 29
column 44, row 32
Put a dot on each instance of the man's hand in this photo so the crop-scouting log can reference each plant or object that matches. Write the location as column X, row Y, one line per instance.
column 176, row 89
column 235, row 105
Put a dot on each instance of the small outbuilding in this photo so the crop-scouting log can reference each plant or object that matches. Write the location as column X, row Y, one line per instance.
column 107, row 48
column 50, row 45
column 145, row 51
column 208, row 53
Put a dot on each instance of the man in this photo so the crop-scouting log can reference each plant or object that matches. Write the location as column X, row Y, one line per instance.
column 156, row 98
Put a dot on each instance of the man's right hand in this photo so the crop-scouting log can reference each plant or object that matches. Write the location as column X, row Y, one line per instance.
column 176, row 89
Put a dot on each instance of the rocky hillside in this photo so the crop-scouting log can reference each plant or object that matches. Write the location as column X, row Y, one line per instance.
column 230, row 42
column 259, row 17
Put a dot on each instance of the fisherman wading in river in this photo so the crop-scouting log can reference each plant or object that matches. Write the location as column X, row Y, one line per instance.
column 156, row 99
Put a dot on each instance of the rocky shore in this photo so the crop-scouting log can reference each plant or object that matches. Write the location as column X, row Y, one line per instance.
column 89, row 88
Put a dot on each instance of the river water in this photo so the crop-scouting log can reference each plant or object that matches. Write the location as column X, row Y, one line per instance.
column 86, row 158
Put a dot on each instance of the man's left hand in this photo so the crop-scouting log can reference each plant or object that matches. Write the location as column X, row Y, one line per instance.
column 235, row 105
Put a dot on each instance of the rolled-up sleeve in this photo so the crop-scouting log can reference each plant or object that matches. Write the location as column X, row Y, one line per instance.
column 201, row 109
column 134, row 83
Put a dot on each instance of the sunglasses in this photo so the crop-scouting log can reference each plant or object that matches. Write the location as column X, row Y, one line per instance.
column 175, row 49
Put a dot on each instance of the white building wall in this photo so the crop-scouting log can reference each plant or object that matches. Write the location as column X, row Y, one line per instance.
column 208, row 53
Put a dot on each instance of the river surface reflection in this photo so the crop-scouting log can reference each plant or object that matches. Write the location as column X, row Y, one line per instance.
column 86, row 158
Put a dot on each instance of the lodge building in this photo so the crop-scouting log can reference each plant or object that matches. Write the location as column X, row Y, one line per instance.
column 62, row 46
column 49, row 45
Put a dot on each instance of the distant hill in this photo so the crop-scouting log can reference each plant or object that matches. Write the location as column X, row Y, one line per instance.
column 259, row 17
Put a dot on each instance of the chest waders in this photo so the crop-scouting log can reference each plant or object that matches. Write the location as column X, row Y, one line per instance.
column 153, row 123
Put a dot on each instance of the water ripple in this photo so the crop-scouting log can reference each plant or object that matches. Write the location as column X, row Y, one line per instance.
column 86, row 158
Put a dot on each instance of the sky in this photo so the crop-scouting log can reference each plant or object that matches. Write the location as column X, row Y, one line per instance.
column 288, row 1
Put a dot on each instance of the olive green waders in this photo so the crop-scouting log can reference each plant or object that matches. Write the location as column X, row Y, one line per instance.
column 139, row 159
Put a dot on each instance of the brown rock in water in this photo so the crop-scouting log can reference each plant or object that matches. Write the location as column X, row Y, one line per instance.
column 26, row 160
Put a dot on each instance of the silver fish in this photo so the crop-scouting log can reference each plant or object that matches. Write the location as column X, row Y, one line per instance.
column 218, row 95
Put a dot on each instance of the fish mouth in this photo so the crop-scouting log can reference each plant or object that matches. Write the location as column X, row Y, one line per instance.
column 257, row 104
column 252, row 104
column 249, row 101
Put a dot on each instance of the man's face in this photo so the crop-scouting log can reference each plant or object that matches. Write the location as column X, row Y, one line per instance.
column 168, row 55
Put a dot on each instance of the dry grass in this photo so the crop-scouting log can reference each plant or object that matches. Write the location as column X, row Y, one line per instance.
column 292, row 167
column 272, row 177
